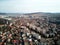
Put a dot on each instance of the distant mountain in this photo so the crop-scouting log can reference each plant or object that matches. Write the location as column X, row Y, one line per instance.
column 2, row 13
column 36, row 13
column 44, row 14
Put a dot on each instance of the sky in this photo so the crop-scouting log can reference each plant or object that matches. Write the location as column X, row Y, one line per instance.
column 29, row 6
